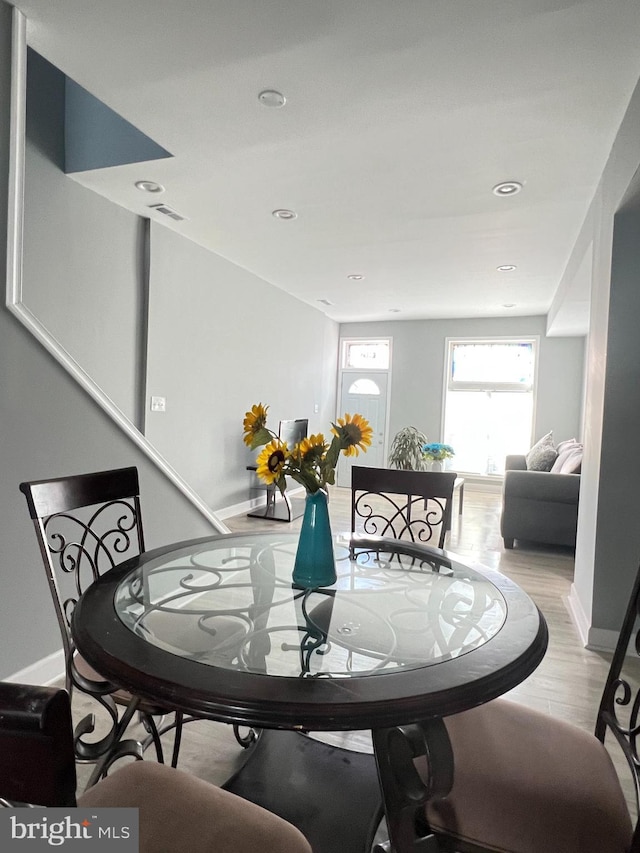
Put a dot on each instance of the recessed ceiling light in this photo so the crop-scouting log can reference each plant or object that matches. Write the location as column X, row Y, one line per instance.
column 507, row 268
column 509, row 305
column 149, row 187
column 283, row 213
column 507, row 188
column 272, row 98
column 355, row 277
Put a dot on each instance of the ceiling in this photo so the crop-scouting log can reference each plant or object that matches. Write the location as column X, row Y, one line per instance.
column 400, row 118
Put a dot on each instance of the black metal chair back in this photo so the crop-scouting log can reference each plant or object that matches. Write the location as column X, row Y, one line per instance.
column 412, row 505
column 619, row 710
column 36, row 746
column 85, row 524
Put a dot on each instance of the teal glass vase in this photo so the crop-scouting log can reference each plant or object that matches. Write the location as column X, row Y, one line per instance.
column 314, row 564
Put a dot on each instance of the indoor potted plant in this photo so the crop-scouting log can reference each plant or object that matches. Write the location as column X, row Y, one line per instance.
column 406, row 450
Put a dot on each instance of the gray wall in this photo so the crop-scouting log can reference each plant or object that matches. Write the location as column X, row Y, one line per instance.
column 419, row 354
column 214, row 344
column 49, row 427
column 83, row 279
column 608, row 544
column 617, row 547
column 87, row 295
column 221, row 339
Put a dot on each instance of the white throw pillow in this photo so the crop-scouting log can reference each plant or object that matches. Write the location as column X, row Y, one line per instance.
column 573, row 463
column 565, row 445
column 565, row 450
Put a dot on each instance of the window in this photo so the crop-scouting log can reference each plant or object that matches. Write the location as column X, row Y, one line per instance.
column 364, row 386
column 366, row 355
column 489, row 401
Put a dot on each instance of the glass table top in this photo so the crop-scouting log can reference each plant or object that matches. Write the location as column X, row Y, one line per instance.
column 230, row 603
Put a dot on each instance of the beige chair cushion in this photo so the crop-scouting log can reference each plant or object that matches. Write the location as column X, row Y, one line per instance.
column 525, row 782
column 179, row 812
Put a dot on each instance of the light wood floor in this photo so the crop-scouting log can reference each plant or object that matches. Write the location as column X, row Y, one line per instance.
column 566, row 685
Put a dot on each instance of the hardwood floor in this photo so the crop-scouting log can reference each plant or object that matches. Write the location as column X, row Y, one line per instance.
column 567, row 684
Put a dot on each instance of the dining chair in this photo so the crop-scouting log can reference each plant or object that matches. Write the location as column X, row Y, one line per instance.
column 86, row 524
column 526, row 782
column 402, row 504
column 177, row 811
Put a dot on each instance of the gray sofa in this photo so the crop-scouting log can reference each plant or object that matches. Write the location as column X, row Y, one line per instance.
column 538, row 506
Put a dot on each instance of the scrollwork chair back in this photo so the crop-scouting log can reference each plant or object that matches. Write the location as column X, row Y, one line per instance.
column 619, row 709
column 85, row 525
column 413, row 505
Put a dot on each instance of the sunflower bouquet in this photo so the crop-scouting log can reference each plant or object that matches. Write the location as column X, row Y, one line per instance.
column 312, row 462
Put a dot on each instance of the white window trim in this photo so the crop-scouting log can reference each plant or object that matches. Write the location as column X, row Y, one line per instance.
column 483, row 340
column 361, row 340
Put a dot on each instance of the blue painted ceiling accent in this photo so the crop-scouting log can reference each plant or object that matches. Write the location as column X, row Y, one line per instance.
column 89, row 135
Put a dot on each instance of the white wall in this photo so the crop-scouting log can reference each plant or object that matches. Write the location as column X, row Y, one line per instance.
column 221, row 339
column 419, row 354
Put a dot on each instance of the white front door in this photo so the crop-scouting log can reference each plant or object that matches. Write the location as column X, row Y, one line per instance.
column 364, row 393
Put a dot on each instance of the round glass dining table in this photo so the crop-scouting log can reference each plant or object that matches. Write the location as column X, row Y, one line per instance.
column 214, row 627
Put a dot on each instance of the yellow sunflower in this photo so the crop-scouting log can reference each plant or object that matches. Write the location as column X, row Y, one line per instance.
column 271, row 460
column 354, row 433
column 311, row 449
column 253, row 422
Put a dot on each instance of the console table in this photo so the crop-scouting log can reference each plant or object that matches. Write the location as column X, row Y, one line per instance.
column 285, row 509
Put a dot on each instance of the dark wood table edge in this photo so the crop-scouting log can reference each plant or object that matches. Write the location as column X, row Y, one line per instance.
column 346, row 703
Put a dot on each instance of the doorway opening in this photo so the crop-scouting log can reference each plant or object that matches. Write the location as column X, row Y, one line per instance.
column 363, row 387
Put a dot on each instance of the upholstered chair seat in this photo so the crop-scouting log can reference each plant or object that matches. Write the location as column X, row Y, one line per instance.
column 166, row 797
column 176, row 811
column 527, row 783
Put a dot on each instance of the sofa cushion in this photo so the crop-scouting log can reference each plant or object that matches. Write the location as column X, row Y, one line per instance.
column 542, row 455
column 573, row 462
column 540, row 486
column 570, row 449
column 566, row 444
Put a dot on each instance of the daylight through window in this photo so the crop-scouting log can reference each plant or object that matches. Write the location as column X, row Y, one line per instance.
column 489, row 401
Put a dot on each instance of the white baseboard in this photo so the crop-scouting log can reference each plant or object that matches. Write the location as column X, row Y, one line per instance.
column 238, row 509
column 43, row 672
column 252, row 503
column 577, row 614
column 594, row 639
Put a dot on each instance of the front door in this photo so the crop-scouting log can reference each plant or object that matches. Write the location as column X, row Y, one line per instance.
column 365, row 393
